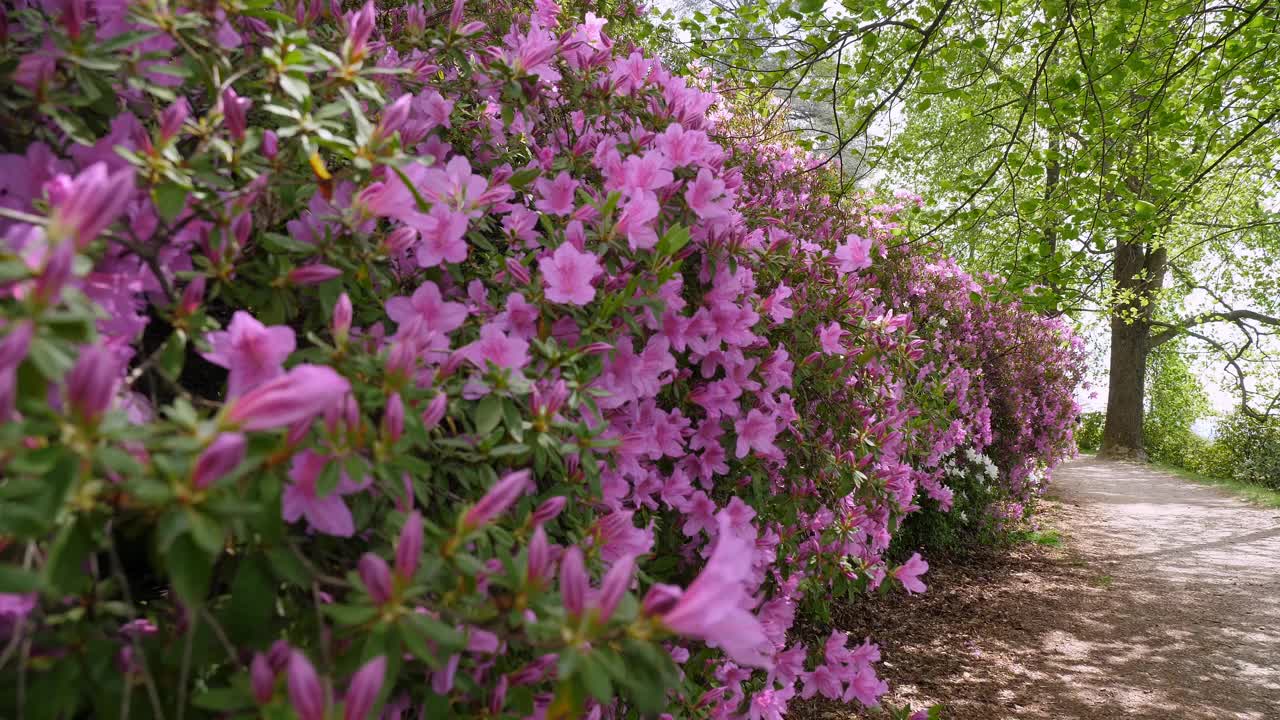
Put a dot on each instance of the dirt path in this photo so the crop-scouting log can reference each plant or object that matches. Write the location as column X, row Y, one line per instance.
column 1163, row 602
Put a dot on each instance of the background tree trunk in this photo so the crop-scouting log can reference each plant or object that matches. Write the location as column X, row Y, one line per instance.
column 1122, row 433
column 1138, row 273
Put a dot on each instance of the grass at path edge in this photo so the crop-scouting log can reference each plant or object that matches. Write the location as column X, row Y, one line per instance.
column 1256, row 494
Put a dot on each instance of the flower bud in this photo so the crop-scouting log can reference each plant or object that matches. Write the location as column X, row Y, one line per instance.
column 278, row 655
column 499, row 697
column 218, row 460
column 519, row 272
column 393, row 418
column 660, row 599
column 499, row 498
column 573, row 582
column 234, row 108
column 73, row 17
column 172, row 119
column 415, row 18
column 312, row 274
column 434, row 413
column 376, row 577
column 455, row 14
column 361, row 25
column 409, row 547
column 192, row 296
column 342, row 314
column 615, row 586
column 395, row 116
column 539, row 563
column 364, row 688
column 549, row 510
column 54, row 274
column 306, row 693
column 91, row 383
column 402, row 360
column 262, row 679
column 270, row 145
column 16, row 344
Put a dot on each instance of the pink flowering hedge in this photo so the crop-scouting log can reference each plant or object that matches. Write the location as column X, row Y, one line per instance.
column 373, row 362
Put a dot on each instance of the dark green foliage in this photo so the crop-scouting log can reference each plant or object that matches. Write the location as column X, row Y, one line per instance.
column 1089, row 432
column 1246, row 449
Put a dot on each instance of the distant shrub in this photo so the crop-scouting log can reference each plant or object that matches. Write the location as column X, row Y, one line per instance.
column 1089, row 432
column 1250, row 448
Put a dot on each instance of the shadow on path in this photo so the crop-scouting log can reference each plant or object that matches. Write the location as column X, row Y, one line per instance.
column 1163, row 603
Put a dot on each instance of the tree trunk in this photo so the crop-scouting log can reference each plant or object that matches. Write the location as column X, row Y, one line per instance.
column 1122, row 433
column 1138, row 273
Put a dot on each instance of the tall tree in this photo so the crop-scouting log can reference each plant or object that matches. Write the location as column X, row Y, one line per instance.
column 1106, row 155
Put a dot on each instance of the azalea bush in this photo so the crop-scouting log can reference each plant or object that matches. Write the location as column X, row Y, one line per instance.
column 400, row 361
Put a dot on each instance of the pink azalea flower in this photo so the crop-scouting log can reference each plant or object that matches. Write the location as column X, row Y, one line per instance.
column 636, row 221
column 430, row 306
column 497, row 347
column 251, row 351
column 756, row 432
column 866, row 688
column 829, row 337
column 568, row 273
column 328, row 514
column 298, row 395
column 770, row 703
column 706, row 196
column 556, row 196
column 443, row 233
column 909, row 574
column 715, row 606
column 86, row 205
column 854, row 254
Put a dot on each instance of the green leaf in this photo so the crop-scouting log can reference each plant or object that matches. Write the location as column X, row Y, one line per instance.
column 224, row 699
column 520, row 178
column 169, row 199
column 173, row 355
column 64, row 571
column 673, row 240
column 252, row 598
column 190, row 570
column 17, row 580
column 205, row 531
column 488, row 414
column 595, row 678
column 288, row 567
column 351, row 614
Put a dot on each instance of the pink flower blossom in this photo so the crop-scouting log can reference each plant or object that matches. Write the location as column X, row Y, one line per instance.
column 89, row 203
column 909, row 574
column 568, row 273
column 756, row 432
column 326, row 514
column 854, row 254
column 429, row 305
column 497, row 347
column 829, row 337
column 251, row 351
column 556, row 197
column 716, row 607
column 706, row 196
